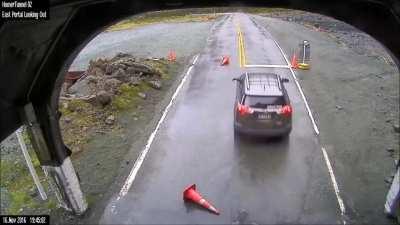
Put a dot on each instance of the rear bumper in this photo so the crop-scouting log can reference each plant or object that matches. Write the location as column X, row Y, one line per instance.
column 263, row 132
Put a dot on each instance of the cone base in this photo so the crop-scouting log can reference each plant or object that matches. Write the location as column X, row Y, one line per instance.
column 303, row 66
column 293, row 62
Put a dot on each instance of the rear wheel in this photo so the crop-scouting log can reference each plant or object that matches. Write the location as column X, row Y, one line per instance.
column 237, row 138
column 237, row 133
column 285, row 136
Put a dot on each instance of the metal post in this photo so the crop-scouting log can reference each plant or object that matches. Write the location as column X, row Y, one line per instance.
column 304, row 49
column 56, row 190
column 393, row 196
column 62, row 173
column 65, row 179
column 28, row 161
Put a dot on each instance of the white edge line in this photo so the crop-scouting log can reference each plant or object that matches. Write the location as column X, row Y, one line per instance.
column 300, row 90
column 138, row 163
column 267, row 66
column 335, row 185
column 326, row 157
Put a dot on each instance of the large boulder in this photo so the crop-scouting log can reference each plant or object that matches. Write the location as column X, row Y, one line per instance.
column 80, row 88
column 103, row 98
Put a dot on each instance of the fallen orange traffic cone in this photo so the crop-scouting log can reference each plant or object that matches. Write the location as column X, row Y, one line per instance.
column 225, row 60
column 171, row 56
column 191, row 194
column 294, row 63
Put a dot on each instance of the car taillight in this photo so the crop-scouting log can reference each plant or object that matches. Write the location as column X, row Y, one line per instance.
column 286, row 110
column 243, row 109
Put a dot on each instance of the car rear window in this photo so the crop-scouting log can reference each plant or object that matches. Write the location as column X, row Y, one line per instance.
column 263, row 101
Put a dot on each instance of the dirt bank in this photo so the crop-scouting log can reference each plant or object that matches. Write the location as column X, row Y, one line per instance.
column 100, row 135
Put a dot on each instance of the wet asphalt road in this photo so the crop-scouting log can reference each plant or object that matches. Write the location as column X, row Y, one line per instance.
column 249, row 180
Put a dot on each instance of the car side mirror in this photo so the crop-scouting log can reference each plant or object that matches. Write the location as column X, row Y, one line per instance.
column 235, row 79
column 285, row 80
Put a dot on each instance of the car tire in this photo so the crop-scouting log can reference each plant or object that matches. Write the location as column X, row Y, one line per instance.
column 285, row 136
column 237, row 133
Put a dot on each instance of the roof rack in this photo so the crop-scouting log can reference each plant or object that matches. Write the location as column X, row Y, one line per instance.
column 279, row 82
column 262, row 81
column 248, row 82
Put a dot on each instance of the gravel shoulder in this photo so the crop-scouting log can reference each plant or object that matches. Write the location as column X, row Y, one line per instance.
column 155, row 40
column 354, row 95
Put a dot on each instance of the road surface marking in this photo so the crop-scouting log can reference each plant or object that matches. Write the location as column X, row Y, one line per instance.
column 334, row 183
column 326, row 157
column 240, row 48
column 240, row 51
column 139, row 161
column 300, row 89
column 243, row 49
column 288, row 65
column 242, row 54
column 267, row 66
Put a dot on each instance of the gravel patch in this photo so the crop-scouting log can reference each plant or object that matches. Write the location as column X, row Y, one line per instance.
column 343, row 33
column 149, row 41
column 9, row 148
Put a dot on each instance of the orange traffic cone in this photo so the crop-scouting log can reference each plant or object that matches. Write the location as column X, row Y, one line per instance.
column 225, row 60
column 171, row 56
column 191, row 194
column 294, row 63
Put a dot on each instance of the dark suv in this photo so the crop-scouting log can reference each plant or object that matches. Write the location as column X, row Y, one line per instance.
column 262, row 105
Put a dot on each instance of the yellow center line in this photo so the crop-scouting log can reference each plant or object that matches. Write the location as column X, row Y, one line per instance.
column 241, row 49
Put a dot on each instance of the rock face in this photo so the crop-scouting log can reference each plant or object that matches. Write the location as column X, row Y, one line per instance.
column 80, row 88
column 105, row 76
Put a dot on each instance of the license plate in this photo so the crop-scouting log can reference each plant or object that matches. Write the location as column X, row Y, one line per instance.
column 264, row 116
